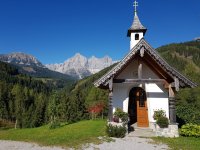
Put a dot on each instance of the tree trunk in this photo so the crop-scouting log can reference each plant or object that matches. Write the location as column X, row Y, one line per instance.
column 16, row 124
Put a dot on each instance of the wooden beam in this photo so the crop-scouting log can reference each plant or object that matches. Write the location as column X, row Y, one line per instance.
column 140, row 71
column 139, row 81
column 171, row 91
column 142, row 52
column 176, row 80
column 110, row 82
column 172, row 105
column 110, row 104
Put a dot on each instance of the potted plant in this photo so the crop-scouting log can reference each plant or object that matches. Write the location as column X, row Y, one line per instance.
column 121, row 116
column 161, row 119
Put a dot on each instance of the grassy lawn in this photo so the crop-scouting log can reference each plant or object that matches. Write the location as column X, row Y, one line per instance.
column 183, row 143
column 72, row 135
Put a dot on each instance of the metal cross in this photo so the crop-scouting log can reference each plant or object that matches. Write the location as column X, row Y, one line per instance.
column 135, row 5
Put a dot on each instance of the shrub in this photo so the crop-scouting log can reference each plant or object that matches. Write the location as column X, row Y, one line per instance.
column 124, row 118
column 190, row 130
column 161, row 119
column 158, row 113
column 122, row 115
column 188, row 106
column 116, row 131
column 163, row 122
column 119, row 112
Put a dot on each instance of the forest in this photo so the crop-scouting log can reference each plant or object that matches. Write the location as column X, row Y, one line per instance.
column 28, row 102
column 185, row 57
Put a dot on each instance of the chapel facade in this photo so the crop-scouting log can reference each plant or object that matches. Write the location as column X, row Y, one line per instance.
column 142, row 81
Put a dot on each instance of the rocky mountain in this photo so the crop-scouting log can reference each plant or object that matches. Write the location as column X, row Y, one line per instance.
column 21, row 59
column 79, row 66
column 28, row 64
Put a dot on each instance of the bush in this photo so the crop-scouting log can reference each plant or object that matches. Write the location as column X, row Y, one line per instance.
column 116, row 131
column 124, row 118
column 158, row 113
column 188, row 106
column 122, row 115
column 163, row 122
column 190, row 130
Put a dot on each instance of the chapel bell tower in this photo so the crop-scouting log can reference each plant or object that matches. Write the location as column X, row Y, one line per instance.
column 137, row 31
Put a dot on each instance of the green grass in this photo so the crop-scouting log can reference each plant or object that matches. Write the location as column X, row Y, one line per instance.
column 183, row 143
column 72, row 135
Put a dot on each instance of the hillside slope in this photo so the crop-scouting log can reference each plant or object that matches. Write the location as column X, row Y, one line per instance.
column 185, row 57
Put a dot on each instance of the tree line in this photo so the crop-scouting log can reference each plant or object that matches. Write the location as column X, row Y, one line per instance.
column 29, row 102
column 185, row 57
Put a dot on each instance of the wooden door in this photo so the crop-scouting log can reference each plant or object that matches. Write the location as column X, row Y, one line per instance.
column 142, row 110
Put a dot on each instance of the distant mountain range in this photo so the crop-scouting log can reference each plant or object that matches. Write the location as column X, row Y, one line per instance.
column 79, row 66
column 21, row 59
column 28, row 64
column 76, row 67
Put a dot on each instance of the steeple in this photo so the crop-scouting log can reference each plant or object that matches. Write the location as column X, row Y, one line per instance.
column 137, row 30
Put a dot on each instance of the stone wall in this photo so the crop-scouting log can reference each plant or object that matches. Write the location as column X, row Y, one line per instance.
column 171, row 131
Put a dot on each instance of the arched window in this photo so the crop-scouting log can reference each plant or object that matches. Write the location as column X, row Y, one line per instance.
column 136, row 36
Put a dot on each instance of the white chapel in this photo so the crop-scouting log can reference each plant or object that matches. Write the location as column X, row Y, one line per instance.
column 142, row 81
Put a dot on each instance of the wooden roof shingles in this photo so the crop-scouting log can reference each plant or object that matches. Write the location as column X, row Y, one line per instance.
column 136, row 26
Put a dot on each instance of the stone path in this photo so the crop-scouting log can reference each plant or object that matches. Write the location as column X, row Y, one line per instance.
column 14, row 145
column 136, row 140
column 129, row 143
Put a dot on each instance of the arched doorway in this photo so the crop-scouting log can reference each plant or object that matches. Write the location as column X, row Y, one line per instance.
column 137, row 108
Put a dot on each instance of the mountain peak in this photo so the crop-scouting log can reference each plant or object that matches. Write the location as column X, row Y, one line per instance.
column 79, row 66
column 20, row 58
column 77, row 54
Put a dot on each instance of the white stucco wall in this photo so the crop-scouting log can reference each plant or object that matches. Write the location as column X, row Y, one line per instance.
column 157, row 96
column 121, row 96
column 133, row 42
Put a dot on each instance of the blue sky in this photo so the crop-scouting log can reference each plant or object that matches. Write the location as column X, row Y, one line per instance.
column 54, row 30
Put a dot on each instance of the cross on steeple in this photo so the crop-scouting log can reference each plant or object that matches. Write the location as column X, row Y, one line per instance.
column 135, row 5
column 137, row 31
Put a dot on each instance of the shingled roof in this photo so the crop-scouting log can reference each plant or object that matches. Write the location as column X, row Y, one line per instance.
column 136, row 26
column 142, row 44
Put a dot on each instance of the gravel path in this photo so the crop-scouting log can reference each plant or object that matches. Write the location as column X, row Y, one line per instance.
column 127, row 143
column 13, row 145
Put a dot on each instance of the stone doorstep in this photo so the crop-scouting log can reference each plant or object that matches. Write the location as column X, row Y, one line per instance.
column 143, row 128
column 142, row 133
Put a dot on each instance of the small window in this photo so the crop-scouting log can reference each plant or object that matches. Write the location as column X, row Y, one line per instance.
column 136, row 36
column 142, row 99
